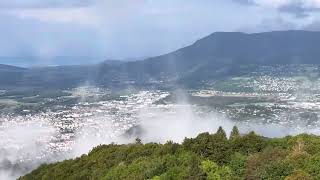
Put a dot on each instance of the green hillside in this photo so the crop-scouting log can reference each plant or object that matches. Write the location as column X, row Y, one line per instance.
column 208, row 156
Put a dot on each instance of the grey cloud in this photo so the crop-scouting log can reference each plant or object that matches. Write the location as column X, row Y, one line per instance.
column 298, row 8
column 277, row 24
column 25, row 4
column 280, row 24
column 125, row 28
column 314, row 26
column 273, row 24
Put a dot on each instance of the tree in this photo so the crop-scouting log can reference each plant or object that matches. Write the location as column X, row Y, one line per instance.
column 299, row 175
column 194, row 170
column 199, row 145
column 249, row 143
column 219, row 149
column 225, row 172
column 209, row 166
column 269, row 164
column 238, row 164
column 138, row 141
column 211, row 170
column 221, row 133
column 215, row 172
column 234, row 133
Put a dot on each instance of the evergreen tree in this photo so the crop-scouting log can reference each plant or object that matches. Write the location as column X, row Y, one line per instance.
column 234, row 133
column 194, row 171
column 221, row 133
column 219, row 147
column 138, row 141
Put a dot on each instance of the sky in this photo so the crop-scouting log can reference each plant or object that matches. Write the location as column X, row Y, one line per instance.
column 51, row 32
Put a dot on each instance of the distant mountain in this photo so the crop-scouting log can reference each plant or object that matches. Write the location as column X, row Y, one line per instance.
column 10, row 75
column 34, row 61
column 217, row 55
column 4, row 67
column 234, row 49
column 113, row 62
column 223, row 53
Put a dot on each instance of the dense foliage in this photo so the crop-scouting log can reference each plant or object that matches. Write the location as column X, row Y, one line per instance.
column 208, row 156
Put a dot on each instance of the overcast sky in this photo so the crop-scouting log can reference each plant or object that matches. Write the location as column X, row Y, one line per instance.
column 121, row 29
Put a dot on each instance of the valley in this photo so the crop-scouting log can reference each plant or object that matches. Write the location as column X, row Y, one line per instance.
column 274, row 101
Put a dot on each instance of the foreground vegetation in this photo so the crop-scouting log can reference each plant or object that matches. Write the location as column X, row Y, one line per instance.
column 208, row 156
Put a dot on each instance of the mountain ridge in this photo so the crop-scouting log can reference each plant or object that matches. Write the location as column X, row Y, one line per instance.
column 10, row 67
column 218, row 55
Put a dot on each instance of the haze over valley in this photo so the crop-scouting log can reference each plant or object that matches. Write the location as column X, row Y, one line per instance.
column 164, row 98
column 121, row 89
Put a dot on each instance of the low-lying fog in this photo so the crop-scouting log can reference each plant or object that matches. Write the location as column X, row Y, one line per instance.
column 29, row 140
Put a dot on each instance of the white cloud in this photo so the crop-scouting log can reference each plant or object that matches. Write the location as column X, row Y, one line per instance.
column 81, row 15
column 122, row 29
column 25, row 4
column 96, row 12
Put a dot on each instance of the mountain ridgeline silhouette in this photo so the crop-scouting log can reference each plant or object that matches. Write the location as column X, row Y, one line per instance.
column 218, row 55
